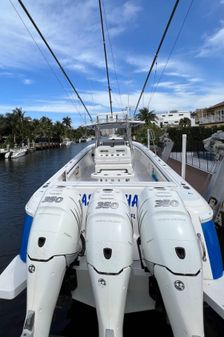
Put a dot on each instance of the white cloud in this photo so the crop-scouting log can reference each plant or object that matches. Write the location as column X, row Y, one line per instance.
column 27, row 81
column 119, row 18
column 175, row 67
column 130, row 10
column 213, row 44
column 195, row 79
column 52, row 106
column 98, row 79
column 180, row 97
column 177, row 74
column 7, row 74
column 141, row 63
column 63, row 26
column 186, row 98
column 72, row 29
column 5, row 108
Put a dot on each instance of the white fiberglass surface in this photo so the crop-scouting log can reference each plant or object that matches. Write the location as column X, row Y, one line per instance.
column 143, row 167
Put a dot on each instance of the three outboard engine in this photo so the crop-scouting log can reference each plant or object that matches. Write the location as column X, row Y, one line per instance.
column 171, row 252
column 53, row 245
column 109, row 246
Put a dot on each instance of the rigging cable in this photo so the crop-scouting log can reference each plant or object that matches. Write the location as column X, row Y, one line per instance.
column 112, row 54
column 157, row 52
column 154, row 84
column 54, row 56
column 105, row 55
column 73, row 101
column 170, row 54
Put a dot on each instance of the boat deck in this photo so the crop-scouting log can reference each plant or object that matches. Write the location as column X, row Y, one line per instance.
column 139, row 173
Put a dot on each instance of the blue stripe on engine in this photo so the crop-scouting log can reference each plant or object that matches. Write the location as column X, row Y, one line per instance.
column 26, row 232
column 213, row 248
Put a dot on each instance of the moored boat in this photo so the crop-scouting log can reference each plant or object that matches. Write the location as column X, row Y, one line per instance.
column 3, row 153
column 8, row 154
column 66, row 142
column 17, row 153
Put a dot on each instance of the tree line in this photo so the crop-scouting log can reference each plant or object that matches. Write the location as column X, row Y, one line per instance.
column 16, row 129
column 195, row 134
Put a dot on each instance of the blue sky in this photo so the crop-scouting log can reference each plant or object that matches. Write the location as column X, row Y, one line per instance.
column 193, row 76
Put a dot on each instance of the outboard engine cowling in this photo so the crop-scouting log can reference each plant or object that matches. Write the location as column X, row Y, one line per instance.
column 171, row 252
column 109, row 244
column 53, row 245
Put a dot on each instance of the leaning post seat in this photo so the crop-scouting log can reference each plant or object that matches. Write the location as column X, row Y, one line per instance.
column 113, row 162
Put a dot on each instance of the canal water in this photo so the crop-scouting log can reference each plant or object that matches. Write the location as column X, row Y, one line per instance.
column 18, row 181
column 19, row 178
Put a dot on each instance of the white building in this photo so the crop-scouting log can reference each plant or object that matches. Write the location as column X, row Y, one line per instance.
column 172, row 118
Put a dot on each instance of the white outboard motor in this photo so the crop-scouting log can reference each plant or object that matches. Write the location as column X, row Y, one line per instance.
column 53, row 245
column 171, row 252
column 109, row 245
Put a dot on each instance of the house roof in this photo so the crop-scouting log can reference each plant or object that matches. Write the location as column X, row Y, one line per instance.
column 217, row 105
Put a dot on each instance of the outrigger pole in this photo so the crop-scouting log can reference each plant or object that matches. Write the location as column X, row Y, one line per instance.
column 55, row 57
column 105, row 55
column 157, row 52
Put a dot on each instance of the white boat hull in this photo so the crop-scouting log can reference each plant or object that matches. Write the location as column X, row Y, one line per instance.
column 18, row 153
column 130, row 228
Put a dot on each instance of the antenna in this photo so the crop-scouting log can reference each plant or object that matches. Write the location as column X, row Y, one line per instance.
column 105, row 55
column 157, row 52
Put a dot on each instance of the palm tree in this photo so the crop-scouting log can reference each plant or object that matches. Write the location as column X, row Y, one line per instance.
column 59, row 131
column 146, row 115
column 4, row 129
column 185, row 122
column 46, row 127
column 29, row 130
column 15, row 121
column 67, row 121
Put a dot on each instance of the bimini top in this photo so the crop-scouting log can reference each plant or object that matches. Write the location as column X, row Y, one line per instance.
column 114, row 121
